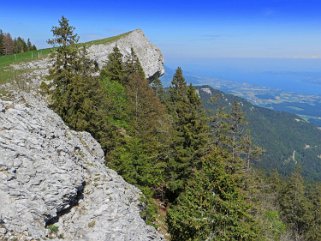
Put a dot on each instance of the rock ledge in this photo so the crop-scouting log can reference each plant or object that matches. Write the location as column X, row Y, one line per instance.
column 50, row 174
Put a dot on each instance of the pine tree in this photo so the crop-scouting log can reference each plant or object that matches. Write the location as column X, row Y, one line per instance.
column 314, row 196
column 158, row 88
column 230, row 132
column 211, row 207
column 294, row 205
column 63, row 69
column 20, row 45
column 77, row 96
column 133, row 66
column 1, row 43
column 30, row 46
column 190, row 135
column 140, row 157
column 114, row 68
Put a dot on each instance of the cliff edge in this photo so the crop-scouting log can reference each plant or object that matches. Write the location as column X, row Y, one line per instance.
column 53, row 180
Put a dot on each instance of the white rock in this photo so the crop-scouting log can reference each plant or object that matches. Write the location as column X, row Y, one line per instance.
column 150, row 56
column 37, row 184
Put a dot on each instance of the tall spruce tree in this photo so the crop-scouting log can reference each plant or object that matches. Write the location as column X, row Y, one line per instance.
column 295, row 206
column 63, row 70
column 140, row 159
column 114, row 67
column 211, row 207
column 190, row 135
column 314, row 196
column 77, row 94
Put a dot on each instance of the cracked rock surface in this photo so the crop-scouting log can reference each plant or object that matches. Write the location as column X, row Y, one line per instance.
column 149, row 55
column 50, row 174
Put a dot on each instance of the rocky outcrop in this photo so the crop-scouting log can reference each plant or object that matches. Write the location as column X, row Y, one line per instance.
column 53, row 181
column 150, row 56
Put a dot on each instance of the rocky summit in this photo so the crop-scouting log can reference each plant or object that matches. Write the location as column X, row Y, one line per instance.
column 148, row 54
column 54, row 183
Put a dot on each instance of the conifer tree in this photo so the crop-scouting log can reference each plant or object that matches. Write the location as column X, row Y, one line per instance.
column 314, row 227
column 1, row 42
column 114, row 68
column 190, row 135
column 211, row 207
column 230, row 132
column 29, row 45
column 63, row 69
column 133, row 65
column 158, row 88
column 140, row 159
column 77, row 96
column 294, row 205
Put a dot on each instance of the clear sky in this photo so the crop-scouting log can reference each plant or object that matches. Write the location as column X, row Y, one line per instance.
column 196, row 29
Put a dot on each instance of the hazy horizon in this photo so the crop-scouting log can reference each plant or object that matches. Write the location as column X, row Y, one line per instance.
column 187, row 30
column 302, row 76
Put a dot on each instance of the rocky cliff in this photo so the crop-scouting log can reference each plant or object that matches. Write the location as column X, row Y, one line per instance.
column 148, row 54
column 53, row 181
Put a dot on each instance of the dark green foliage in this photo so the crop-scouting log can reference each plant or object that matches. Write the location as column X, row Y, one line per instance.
column 278, row 133
column 211, row 206
column 140, row 158
column 314, row 227
column 294, row 205
column 133, row 66
column 114, row 69
column 190, row 137
column 139, row 116
column 77, row 95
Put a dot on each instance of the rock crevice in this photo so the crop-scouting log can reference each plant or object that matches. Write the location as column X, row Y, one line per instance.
column 50, row 174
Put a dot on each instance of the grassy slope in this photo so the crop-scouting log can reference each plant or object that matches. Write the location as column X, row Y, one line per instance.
column 6, row 72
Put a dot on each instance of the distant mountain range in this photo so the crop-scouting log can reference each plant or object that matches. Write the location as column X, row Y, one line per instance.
column 288, row 140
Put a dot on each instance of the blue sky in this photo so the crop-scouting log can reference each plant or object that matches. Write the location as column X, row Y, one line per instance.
column 197, row 29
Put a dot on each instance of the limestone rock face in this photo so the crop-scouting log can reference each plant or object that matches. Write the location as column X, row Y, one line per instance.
column 150, row 56
column 51, row 175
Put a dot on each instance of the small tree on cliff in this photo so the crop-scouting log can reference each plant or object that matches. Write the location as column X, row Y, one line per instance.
column 77, row 96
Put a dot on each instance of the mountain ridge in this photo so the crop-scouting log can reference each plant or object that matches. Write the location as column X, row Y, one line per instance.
column 54, row 181
column 283, row 135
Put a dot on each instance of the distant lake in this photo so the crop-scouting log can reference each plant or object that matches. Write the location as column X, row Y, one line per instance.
column 302, row 76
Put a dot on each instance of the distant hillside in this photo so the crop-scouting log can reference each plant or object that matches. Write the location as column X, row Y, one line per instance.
column 287, row 139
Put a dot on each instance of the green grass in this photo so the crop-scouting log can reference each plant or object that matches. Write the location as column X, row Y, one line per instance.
column 23, row 57
column 106, row 40
column 7, row 73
